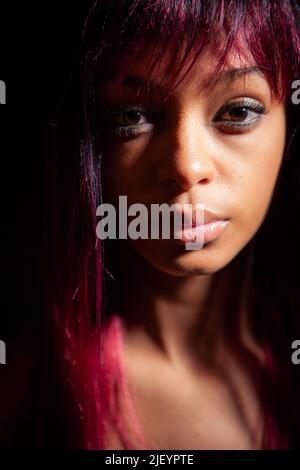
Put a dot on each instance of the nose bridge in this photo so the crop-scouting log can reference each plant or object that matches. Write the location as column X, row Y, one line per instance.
column 188, row 159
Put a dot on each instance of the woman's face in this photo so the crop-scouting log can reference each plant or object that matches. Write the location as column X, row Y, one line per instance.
column 220, row 145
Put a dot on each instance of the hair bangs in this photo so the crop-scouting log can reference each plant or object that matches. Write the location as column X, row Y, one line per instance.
column 260, row 33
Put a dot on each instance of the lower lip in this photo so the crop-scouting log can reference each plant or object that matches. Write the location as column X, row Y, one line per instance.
column 209, row 232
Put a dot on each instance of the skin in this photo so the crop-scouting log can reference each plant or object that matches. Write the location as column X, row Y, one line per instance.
column 190, row 386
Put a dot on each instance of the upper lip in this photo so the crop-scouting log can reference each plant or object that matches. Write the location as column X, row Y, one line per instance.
column 209, row 216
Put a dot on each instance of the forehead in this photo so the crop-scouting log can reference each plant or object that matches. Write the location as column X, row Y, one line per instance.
column 163, row 75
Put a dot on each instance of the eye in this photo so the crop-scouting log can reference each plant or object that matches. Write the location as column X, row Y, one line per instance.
column 131, row 117
column 128, row 120
column 240, row 115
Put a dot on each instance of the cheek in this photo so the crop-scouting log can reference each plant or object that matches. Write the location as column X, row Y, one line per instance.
column 257, row 172
column 123, row 169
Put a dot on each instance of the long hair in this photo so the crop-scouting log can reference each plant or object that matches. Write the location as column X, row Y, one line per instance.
column 82, row 351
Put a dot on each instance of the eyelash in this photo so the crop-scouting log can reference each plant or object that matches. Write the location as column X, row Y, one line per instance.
column 127, row 131
column 249, row 104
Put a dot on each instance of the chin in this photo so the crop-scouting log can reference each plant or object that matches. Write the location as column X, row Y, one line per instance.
column 192, row 263
column 175, row 260
column 194, row 268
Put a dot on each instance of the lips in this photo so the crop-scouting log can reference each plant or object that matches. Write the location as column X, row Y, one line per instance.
column 207, row 227
column 205, row 216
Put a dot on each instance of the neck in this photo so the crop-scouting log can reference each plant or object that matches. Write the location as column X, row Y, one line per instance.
column 180, row 317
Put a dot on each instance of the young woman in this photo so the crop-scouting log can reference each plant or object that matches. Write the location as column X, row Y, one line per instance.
column 148, row 345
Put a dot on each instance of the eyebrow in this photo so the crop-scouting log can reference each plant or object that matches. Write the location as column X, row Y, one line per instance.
column 135, row 81
column 233, row 74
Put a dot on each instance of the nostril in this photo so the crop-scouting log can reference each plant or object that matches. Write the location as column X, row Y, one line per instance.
column 204, row 181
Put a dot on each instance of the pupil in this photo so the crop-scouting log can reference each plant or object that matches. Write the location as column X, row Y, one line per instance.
column 239, row 113
column 132, row 117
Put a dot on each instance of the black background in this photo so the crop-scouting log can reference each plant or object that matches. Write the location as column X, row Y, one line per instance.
column 38, row 52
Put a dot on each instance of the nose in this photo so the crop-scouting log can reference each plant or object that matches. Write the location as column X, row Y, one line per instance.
column 188, row 157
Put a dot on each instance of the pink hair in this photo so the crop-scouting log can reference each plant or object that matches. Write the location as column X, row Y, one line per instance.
column 82, row 335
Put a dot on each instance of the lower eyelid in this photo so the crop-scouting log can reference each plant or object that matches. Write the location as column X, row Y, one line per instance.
column 239, row 127
column 126, row 131
column 241, row 123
